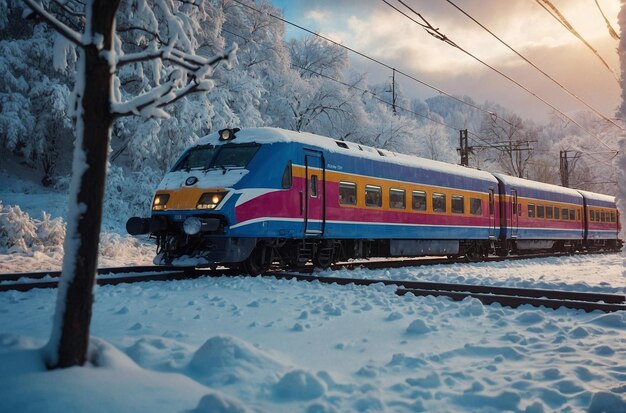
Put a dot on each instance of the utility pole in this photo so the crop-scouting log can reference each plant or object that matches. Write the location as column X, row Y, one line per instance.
column 393, row 89
column 564, row 168
column 464, row 149
column 564, row 165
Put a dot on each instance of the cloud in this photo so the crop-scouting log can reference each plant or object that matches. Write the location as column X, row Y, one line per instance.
column 317, row 15
column 373, row 28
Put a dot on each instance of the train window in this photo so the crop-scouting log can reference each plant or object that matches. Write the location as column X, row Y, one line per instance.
column 234, row 156
column 557, row 214
column 578, row 214
column 286, row 181
column 198, row 157
column 612, row 216
column 597, row 216
column 373, row 196
column 419, row 201
column 397, row 198
column 313, row 186
column 540, row 211
column 458, row 204
column 347, row 193
column 549, row 212
column 476, row 206
column 592, row 215
column 602, row 217
column 439, row 202
column 531, row 210
column 564, row 214
column 572, row 216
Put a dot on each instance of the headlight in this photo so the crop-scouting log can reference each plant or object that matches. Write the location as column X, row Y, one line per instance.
column 192, row 226
column 210, row 200
column 160, row 202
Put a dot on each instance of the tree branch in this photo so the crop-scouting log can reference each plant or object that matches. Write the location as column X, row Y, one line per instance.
column 68, row 10
column 150, row 103
column 61, row 28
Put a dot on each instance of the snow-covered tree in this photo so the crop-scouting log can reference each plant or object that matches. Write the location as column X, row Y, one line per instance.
column 97, row 102
column 34, row 120
column 313, row 56
column 511, row 137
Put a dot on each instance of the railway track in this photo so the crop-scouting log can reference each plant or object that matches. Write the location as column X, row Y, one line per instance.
column 506, row 296
column 106, row 276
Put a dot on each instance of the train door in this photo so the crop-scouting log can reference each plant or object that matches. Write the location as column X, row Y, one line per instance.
column 315, row 193
column 492, row 214
column 514, row 223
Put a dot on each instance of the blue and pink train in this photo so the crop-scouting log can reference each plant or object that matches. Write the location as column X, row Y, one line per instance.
column 259, row 196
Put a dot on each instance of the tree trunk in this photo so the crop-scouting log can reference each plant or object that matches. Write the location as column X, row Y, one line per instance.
column 75, row 299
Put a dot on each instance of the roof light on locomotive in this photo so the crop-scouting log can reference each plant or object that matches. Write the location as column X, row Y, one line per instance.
column 228, row 134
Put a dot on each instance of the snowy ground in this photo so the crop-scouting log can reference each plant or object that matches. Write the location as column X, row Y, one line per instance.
column 240, row 344
column 237, row 344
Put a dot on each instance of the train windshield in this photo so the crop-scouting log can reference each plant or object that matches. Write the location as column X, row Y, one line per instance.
column 199, row 157
column 208, row 157
column 234, row 156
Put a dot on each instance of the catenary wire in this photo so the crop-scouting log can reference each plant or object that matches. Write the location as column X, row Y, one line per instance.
column 440, row 91
column 435, row 33
column 536, row 67
column 610, row 28
column 554, row 12
column 473, row 135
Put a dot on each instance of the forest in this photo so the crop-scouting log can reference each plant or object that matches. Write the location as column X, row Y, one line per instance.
column 303, row 83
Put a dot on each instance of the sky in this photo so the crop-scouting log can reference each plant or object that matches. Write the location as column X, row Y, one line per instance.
column 375, row 29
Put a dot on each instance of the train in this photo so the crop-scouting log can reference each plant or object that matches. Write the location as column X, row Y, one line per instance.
column 256, row 197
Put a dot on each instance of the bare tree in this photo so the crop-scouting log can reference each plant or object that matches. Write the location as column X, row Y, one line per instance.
column 96, row 107
column 512, row 138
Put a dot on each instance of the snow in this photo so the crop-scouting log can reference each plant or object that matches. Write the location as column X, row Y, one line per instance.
column 242, row 344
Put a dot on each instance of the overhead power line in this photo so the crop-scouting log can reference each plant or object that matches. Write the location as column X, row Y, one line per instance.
column 435, row 32
column 535, row 66
column 612, row 32
column 475, row 138
column 375, row 96
column 554, row 12
column 440, row 91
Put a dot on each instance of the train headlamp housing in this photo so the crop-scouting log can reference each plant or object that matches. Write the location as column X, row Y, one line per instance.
column 228, row 134
column 210, row 200
column 192, row 226
column 160, row 202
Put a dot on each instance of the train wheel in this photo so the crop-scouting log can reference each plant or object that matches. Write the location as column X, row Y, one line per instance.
column 474, row 253
column 259, row 260
column 325, row 256
column 473, row 256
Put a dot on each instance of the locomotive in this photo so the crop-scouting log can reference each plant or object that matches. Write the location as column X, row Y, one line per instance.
column 250, row 198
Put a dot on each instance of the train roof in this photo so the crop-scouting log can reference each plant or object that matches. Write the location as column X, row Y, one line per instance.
column 536, row 186
column 602, row 200
column 274, row 135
